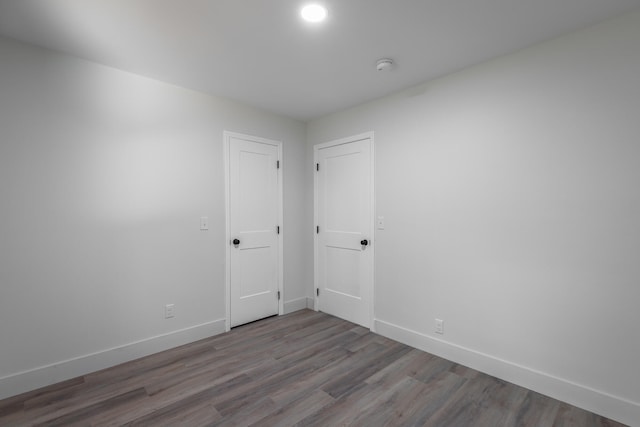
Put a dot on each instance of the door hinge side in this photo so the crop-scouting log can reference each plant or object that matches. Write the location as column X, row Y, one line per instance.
column 278, row 229
column 278, row 295
column 278, row 164
column 317, row 229
column 317, row 167
column 317, row 292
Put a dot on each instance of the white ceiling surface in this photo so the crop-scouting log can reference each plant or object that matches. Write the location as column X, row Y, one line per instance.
column 259, row 51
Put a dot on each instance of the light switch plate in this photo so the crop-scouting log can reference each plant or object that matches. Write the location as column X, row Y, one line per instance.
column 169, row 311
column 380, row 223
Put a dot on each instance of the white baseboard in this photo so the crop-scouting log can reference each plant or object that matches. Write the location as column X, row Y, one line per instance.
column 311, row 303
column 45, row 375
column 295, row 305
column 614, row 407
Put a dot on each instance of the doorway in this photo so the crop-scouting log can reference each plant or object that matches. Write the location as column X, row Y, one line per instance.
column 344, row 240
column 254, row 266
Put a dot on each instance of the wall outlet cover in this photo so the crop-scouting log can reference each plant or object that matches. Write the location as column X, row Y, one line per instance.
column 204, row 223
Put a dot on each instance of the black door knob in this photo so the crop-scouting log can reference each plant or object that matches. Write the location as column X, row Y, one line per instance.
column 236, row 242
column 364, row 242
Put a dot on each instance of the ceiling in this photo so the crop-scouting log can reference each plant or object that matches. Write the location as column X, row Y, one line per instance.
column 259, row 52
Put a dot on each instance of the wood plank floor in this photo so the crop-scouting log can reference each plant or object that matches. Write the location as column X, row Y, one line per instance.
column 306, row 369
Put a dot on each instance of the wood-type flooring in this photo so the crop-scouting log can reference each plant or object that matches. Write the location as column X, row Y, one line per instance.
column 306, row 369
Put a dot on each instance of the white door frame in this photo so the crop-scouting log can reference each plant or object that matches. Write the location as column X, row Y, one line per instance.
column 316, row 148
column 227, row 135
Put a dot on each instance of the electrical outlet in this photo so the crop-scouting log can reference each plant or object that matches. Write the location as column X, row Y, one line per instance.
column 204, row 223
column 169, row 311
column 439, row 326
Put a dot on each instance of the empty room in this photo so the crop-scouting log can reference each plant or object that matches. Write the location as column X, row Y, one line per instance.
column 342, row 212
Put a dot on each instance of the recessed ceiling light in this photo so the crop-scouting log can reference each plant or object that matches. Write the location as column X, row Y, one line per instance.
column 314, row 13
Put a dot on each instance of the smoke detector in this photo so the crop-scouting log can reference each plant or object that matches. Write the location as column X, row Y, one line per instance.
column 384, row 64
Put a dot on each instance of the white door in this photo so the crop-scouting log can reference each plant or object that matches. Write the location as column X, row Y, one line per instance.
column 254, row 201
column 344, row 233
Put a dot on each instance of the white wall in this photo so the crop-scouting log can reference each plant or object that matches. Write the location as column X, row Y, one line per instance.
column 511, row 193
column 103, row 178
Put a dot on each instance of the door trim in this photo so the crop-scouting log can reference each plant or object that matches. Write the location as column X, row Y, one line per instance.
column 371, row 227
column 227, row 135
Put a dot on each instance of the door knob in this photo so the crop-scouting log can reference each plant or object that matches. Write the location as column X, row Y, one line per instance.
column 236, row 242
column 364, row 242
